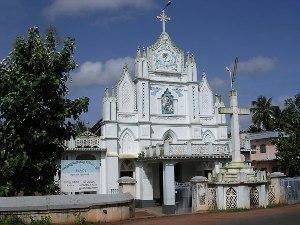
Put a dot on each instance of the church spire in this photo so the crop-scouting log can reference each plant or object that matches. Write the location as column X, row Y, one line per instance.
column 164, row 18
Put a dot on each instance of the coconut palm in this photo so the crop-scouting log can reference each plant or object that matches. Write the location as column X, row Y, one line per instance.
column 263, row 113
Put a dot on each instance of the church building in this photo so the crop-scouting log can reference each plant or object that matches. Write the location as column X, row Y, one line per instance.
column 160, row 126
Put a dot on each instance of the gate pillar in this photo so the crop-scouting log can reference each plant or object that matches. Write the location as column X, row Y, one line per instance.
column 199, row 193
column 276, row 192
column 169, row 188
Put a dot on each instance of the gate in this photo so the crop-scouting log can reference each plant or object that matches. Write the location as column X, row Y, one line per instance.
column 291, row 186
column 183, row 197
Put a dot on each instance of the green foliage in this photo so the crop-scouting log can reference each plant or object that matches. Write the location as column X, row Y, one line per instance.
column 35, row 115
column 141, row 155
column 263, row 114
column 80, row 127
column 14, row 220
column 44, row 221
column 288, row 144
column 11, row 220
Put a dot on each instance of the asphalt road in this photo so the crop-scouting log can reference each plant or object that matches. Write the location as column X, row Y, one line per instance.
column 287, row 215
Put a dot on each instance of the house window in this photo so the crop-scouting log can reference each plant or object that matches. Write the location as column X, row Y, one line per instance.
column 263, row 149
column 253, row 149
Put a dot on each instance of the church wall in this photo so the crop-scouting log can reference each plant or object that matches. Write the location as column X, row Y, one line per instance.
column 182, row 132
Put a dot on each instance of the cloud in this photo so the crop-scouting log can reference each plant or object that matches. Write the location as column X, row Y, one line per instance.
column 73, row 7
column 101, row 73
column 258, row 64
column 217, row 83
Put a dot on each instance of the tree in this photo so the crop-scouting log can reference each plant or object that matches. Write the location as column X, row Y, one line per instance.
column 36, row 117
column 263, row 113
column 80, row 127
column 288, row 145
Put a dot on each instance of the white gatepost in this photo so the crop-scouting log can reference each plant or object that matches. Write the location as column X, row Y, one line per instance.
column 169, row 188
column 127, row 185
column 199, row 193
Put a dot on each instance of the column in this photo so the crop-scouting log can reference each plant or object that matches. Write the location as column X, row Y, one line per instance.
column 169, row 188
column 235, row 127
column 144, row 187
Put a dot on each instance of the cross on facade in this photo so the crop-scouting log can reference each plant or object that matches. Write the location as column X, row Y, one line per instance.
column 163, row 18
column 234, row 113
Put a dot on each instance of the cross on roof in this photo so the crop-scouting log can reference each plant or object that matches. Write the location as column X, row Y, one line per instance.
column 163, row 18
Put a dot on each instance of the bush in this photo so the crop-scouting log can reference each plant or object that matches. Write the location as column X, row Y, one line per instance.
column 14, row 220
column 11, row 220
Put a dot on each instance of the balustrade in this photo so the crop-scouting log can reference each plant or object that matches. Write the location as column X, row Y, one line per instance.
column 187, row 149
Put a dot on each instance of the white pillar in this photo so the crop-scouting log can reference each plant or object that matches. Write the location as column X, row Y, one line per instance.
column 112, row 174
column 235, row 128
column 144, row 187
column 169, row 188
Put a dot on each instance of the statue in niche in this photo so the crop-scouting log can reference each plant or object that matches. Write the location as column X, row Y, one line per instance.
column 167, row 100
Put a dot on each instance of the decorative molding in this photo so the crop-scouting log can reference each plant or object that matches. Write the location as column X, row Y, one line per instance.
column 165, row 56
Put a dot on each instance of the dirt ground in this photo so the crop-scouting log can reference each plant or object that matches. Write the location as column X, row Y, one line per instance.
column 286, row 215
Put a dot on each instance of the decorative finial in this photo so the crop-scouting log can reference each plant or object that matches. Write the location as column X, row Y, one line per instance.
column 125, row 68
column 204, row 74
column 113, row 92
column 138, row 52
column 106, row 93
column 163, row 17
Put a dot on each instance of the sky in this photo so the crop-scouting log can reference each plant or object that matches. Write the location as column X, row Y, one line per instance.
column 264, row 34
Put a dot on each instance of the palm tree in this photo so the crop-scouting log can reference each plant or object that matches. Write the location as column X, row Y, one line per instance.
column 263, row 113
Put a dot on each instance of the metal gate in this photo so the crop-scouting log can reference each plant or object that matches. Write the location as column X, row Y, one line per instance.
column 291, row 186
column 183, row 197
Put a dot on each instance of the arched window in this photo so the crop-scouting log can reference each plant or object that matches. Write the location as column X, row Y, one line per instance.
column 208, row 137
column 167, row 103
column 170, row 136
column 127, row 143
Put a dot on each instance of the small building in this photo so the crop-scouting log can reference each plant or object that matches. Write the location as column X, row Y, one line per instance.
column 259, row 149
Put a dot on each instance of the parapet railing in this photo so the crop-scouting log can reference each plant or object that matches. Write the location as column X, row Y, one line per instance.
column 188, row 149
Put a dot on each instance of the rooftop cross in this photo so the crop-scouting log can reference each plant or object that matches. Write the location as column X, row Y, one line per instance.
column 163, row 18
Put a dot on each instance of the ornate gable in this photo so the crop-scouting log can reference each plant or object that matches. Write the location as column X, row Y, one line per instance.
column 206, row 99
column 164, row 56
column 126, row 93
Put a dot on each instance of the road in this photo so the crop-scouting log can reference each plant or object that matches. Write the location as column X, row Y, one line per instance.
column 286, row 215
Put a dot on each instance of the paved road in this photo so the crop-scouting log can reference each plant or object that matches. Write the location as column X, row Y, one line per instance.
column 287, row 215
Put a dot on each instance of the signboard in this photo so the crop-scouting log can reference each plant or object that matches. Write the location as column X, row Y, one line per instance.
column 80, row 175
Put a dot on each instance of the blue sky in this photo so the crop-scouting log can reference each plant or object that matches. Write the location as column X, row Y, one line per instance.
column 264, row 34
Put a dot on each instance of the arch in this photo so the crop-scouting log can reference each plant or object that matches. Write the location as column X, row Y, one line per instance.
column 231, row 198
column 126, row 93
column 170, row 136
column 208, row 137
column 206, row 99
column 127, row 142
column 85, row 156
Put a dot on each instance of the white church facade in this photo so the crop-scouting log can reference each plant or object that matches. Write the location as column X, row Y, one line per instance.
column 160, row 126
